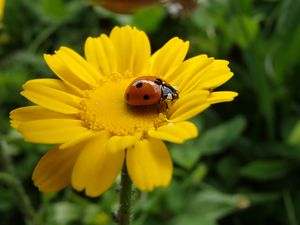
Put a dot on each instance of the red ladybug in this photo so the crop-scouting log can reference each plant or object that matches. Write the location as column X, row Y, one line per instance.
column 149, row 90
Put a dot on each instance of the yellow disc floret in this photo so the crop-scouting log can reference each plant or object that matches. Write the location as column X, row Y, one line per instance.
column 104, row 108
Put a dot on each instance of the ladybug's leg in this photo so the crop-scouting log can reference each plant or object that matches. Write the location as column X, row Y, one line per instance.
column 169, row 104
column 162, row 106
column 166, row 105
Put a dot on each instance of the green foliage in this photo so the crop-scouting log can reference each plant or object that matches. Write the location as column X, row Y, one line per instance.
column 264, row 170
column 294, row 137
column 242, row 169
column 219, row 138
column 148, row 19
column 54, row 8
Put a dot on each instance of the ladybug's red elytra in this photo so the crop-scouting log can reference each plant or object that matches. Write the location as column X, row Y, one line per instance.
column 149, row 90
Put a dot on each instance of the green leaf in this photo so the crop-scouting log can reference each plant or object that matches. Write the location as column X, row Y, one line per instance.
column 285, row 64
column 65, row 212
column 259, row 198
column 148, row 19
column 219, row 138
column 198, row 174
column 228, row 168
column 211, row 142
column 243, row 30
column 192, row 219
column 54, row 8
column 263, row 170
column 294, row 138
column 7, row 200
column 185, row 155
column 216, row 204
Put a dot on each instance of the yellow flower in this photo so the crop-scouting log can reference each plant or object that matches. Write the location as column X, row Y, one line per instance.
column 84, row 112
column 1, row 8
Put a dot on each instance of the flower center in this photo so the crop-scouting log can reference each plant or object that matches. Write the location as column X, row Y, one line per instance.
column 104, row 108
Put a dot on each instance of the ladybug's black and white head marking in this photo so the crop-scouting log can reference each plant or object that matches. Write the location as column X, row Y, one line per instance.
column 158, row 81
column 168, row 92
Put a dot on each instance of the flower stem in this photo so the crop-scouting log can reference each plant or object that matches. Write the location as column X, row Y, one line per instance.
column 125, row 198
column 291, row 214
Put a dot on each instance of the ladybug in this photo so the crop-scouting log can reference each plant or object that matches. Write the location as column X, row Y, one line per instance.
column 149, row 90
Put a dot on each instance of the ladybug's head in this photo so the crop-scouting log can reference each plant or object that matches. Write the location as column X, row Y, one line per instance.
column 169, row 93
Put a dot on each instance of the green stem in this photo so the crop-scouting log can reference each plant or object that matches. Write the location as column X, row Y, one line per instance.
column 11, row 180
column 291, row 214
column 125, row 198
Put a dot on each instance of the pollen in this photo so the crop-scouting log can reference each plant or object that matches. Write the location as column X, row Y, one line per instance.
column 105, row 108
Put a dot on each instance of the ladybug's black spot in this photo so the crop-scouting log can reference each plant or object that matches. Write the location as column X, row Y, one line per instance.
column 139, row 85
column 127, row 96
column 146, row 97
column 158, row 81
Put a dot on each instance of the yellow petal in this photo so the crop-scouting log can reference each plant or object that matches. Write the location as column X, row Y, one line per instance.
column 58, row 85
column 83, row 136
column 2, row 3
column 133, row 49
column 79, row 67
column 51, row 131
column 187, row 72
column 120, row 143
column 175, row 132
column 53, row 83
column 96, row 168
column 210, row 77
column 73, row 69
column 221, row 96
column 198, row 96
column 167, row 59
column 149, row 164
column 188, row 111
column 44, row 93
column 101, row 53
column 188, row 105
column 29, row 113
column 53, row 171
column 64, row 73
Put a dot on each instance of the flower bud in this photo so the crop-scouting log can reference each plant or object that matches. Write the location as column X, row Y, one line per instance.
column 124, row 6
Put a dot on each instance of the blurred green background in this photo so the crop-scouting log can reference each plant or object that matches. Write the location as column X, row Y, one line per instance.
column 244, row 167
